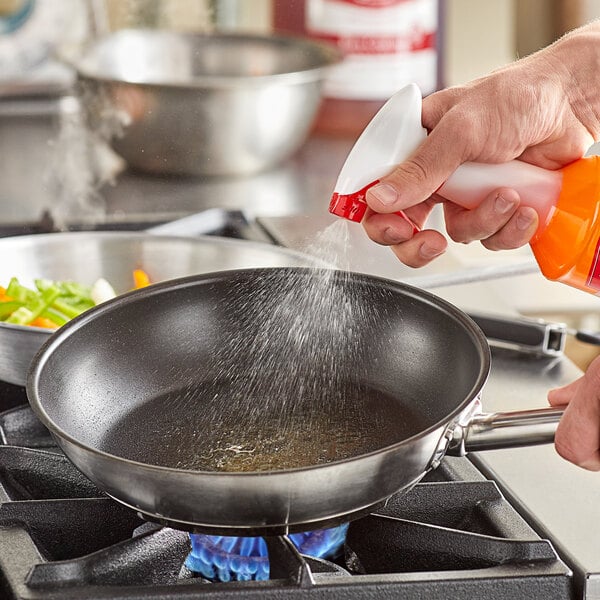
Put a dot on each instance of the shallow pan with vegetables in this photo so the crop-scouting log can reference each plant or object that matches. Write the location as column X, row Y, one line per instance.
column 48, row 279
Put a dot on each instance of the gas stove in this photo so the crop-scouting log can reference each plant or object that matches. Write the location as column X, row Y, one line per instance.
column 452, row 536
column 459, row 533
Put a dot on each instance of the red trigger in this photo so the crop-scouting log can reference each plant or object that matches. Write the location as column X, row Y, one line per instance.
column 353, row 206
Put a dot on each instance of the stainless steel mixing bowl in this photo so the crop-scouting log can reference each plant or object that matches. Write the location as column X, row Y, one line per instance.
column 203, row 104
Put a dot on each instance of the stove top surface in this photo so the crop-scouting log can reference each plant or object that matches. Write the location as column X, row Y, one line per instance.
column 453, row 535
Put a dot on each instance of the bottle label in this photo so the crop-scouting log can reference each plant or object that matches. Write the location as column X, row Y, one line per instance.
column 593, row 279
column 386, row 44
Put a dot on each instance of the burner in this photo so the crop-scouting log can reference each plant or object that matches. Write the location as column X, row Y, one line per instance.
column 223, row 558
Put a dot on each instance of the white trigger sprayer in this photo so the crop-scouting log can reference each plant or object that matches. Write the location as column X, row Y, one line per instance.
column 567, row 242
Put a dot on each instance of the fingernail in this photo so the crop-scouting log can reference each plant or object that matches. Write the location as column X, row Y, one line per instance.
column 525, row 218
column 427, row 251
column 392, row 235
column 384, row 193
column 502, row 205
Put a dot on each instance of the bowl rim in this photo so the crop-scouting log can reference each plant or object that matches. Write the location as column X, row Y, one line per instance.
column 330, row 55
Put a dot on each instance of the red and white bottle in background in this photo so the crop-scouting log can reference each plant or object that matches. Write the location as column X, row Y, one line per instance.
column 386, row 45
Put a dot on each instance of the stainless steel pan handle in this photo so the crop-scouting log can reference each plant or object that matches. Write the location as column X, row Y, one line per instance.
column 493, row 431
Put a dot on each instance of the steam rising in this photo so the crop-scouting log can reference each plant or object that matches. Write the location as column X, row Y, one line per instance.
column 81, row 161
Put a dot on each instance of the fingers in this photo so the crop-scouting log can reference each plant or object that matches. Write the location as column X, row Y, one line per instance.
column 414, row 250
column 578, row 433
column 421, row 249
column 481, row 223
column 387, row 230
column 562, row 396
column 516, row 233
column 498, row 222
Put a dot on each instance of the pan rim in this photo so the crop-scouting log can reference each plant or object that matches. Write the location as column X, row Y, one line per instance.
column 43, row 354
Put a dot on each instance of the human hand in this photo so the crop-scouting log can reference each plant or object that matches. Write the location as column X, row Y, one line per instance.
column 578, row 433
column 539, row 110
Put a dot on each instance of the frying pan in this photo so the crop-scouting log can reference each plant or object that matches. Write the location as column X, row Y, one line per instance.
column 150, row 394
column 87, row 256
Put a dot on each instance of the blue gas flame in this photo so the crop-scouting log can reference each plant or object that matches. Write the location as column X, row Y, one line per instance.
column 224, row 558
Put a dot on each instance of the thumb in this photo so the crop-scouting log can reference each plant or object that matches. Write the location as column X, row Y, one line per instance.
column 563, row 395
column 578, row 433
column 417, row 178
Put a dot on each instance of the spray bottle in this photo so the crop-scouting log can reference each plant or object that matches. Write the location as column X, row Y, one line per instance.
column 566, row 244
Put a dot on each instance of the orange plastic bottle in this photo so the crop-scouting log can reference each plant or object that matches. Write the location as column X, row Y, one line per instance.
column 568, row 248
column 567, row 242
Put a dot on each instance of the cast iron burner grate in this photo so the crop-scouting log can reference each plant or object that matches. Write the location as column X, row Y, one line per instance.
column 453, row 536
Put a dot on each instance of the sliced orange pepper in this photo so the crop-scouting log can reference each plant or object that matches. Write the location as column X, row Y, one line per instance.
column 140, row 279
column 44, row 322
